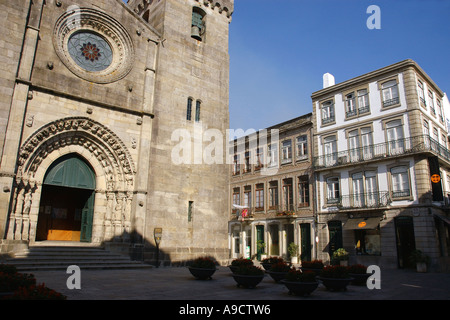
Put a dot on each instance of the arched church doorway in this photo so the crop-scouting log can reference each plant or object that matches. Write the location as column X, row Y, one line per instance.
column 66, row 208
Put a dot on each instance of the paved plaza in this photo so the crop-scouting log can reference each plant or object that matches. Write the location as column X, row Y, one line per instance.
column 176, row 283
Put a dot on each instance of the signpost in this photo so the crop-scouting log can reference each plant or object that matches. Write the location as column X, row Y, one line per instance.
column 157, row 233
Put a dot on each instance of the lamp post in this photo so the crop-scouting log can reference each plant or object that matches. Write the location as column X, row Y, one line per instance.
column 157, row 233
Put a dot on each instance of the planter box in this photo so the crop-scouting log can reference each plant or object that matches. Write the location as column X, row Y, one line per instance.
column 335, row 284
column 201, row 273
column 247, row 281
column 315, row 270
column 300, row 288
column 277, row 276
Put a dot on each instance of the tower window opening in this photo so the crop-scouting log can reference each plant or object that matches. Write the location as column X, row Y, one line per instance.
column 198, row 24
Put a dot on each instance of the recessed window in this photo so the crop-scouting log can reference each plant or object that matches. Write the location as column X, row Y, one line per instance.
column 400, row 182
column 197, row 110
column 333, row 193
column 327, row 112
column 389, row 91
column 189, row 109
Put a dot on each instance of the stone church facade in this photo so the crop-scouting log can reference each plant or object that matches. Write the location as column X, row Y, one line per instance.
column 91, row 96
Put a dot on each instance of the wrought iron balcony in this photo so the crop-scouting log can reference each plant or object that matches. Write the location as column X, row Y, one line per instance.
column 379, row 151
column 368, row 200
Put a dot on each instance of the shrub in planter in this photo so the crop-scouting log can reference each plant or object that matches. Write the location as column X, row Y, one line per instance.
column 248, row 276
column 202, row 268
column 315, row 266
column 236, row 263
column 300, row 283
column 268, row 262
column 278, row 270
column 335, row 278
column 359, row 273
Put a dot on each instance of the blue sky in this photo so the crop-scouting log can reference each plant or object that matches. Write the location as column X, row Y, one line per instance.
column 279, row 50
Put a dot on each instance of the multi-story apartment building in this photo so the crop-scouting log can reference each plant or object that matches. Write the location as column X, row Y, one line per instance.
column 270, row 191
column 382, row 167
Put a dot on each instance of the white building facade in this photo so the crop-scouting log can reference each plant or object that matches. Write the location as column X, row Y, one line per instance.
column 382, row 167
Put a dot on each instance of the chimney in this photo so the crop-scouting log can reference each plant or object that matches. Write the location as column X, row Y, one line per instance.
column 328, row 80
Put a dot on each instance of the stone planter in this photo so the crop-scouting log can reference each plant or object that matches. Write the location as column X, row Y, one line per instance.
column 300, row 288
column 359, row 279
column 247, row 281
column 233, row 268
column 202, row 273
column 277, row 276
column 335, row 284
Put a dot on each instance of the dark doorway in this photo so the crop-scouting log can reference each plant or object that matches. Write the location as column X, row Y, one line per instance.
column 335, row 233
column 406, row 244
column 67, row 201
column 305, row 234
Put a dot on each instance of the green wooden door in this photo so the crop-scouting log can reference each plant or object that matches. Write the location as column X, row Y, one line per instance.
column 73, row 174
column 259, row 239
column 305, row 234
column 87, row 216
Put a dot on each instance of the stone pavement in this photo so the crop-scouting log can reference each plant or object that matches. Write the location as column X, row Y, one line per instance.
column 176, row 283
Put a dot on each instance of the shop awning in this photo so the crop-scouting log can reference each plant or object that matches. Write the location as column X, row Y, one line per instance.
column 362, row 223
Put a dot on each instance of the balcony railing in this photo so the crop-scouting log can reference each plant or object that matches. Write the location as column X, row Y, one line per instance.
column 363, row 200
column 382, row 150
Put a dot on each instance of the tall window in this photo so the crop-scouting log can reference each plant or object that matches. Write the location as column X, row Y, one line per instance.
column 259, row 159
column 421, row 91
column 236, row 165
column 400, row 182
column 247, row 167
column 330, row 150
column 248, row 196
column 440, row 111
column 364, row 189
column 394, row 133
column 389, row 91
column 302, row 147
column 353, row 140
column 288, row 199
column 363, row 101
column 273, row 194
column 303, row 191
column 272, row 155
column 236, row 196
column 197, row 111
column 350, row 105
column 431, row 102
column 259, row 206
column 333, row 194
column 286, row 150
column 189, row 109
column 367, row 143
column 327, row 112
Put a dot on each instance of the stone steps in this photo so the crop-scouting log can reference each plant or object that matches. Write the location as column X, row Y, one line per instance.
column 43, row 258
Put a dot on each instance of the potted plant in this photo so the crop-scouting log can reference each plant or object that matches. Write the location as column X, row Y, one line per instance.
column 419, row 259
column 335, row 278
column 293, row 252
column 261, row 249
column 202, row 268
column 359, row 273
column 248, row 276
column 278, row 271
column 315, row 265
column 300, row 282
column 268, row 262
column 236, row 263
column 340, row 256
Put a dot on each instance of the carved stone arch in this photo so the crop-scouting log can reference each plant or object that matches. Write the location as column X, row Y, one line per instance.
column 102, row 143
column 102, row 149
